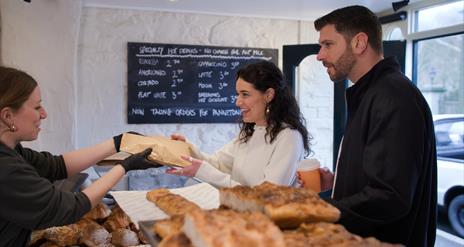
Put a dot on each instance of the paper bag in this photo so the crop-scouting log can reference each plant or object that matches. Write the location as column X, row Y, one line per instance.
column 165, row 151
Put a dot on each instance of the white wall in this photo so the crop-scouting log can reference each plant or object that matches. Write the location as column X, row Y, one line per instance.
column 78, row 55
column 102, row 61
column 41, row 38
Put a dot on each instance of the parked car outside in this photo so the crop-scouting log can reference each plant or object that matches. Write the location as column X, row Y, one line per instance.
column 449, row 133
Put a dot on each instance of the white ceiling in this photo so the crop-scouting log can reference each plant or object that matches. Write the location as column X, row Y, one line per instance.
column 281, row 9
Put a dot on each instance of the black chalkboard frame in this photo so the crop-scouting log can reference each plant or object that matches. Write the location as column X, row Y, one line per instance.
column 175, row 83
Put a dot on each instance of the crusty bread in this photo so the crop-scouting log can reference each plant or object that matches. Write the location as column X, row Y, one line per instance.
column 124, row 237
column 288, row 207
column 118, row 219
column 327, row 234
column 176, row 240
column 62, row 235
column 167, row 227
column 170, row 203
column 95, row 235
column 228, row 228
column 99, row 212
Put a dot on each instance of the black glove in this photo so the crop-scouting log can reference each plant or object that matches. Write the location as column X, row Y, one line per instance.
column 138, row 161
column 117, row 140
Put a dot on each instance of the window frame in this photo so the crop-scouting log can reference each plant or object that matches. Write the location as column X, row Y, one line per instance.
column 412, row 37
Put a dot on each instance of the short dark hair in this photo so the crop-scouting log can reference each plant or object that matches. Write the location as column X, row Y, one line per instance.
column 283, row 109
column 352, row 20
column 15, row 87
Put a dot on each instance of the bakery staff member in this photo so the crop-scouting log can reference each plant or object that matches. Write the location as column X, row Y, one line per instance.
column 28, row 199
column 272, row 139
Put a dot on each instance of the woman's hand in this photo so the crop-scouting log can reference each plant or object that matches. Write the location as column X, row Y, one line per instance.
column 178, row 137
column 327, row 178
column 188, row 171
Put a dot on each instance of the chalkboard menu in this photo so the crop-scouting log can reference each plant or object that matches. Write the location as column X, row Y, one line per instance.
column 169, row 83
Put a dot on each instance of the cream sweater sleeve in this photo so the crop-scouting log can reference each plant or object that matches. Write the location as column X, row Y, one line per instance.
column 213, row 176
column 222, row 159
column 288, row 152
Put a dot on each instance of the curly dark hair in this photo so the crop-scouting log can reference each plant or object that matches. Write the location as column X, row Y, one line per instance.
column 283, row 109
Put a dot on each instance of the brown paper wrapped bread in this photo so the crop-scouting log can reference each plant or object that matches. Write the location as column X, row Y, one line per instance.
column 165, row 151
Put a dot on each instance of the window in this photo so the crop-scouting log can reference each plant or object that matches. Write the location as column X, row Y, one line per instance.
column 439, row 74
column 436, row 36
column 438, row 55
column 439, row 16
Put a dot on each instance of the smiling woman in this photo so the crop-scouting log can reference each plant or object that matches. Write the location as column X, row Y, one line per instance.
column 272, row 139
column 29, row 199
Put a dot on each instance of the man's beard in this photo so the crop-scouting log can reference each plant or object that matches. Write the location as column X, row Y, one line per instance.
column 342, row 66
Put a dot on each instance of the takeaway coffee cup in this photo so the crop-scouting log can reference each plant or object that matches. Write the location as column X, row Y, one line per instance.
column 308, row 172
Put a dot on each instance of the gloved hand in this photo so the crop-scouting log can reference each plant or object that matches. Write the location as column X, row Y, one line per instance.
column 138, row 161
column 117, row 140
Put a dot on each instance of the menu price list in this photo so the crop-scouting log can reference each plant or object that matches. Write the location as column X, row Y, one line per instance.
column 169, row 83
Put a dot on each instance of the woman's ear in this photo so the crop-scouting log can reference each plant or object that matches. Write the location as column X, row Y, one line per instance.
column 6, row 115
column 270, row 93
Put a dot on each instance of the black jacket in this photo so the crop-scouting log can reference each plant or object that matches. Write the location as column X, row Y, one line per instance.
column 386, row 184
column 28, row 199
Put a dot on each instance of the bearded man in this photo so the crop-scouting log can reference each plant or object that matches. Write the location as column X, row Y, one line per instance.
column 385, row 182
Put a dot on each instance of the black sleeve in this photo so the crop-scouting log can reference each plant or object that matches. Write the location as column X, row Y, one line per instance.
column 392, row 161
column 47, row 165
column 32, row 202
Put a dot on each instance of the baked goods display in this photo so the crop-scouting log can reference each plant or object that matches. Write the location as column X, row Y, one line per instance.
column 62, row 236
column 230, row 228
column 170, row 226
column 124, row 237
column 100, row 227
column 264, row 215
column 99, row 212
column 176, row 240
column 328, row 234
column 171, row 204
column 287, row 206
column 117, row 220
column 165, row 151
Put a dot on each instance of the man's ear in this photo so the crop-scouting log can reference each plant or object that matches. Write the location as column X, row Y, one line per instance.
column 270, row 92
column 359, row 43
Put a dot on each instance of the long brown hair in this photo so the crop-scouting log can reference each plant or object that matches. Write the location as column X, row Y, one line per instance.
column 283, row 109
column 15, row 87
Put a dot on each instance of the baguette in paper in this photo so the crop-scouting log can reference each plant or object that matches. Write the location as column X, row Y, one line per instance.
column 165, row 151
